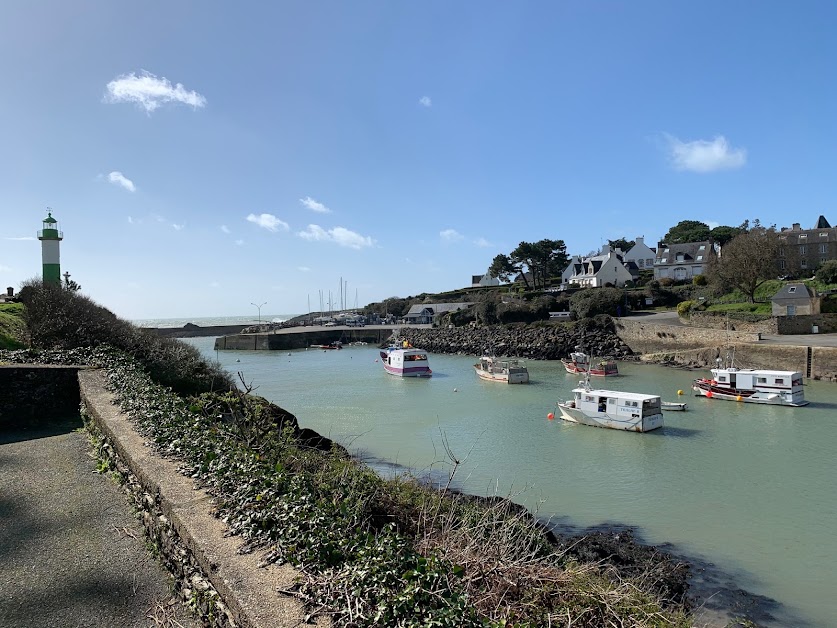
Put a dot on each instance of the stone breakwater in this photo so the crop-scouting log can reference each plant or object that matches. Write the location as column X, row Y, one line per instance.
column 547, row 342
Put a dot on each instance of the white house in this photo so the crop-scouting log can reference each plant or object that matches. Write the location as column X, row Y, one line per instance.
column 426, row 313
column 598, row 270
column 681, row 262
column 641, row 255
column 484, row 281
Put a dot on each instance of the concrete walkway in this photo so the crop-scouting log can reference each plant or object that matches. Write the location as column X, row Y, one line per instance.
column 72, row 553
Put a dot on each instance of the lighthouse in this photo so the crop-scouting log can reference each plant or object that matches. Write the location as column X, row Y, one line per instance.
column 50, row 237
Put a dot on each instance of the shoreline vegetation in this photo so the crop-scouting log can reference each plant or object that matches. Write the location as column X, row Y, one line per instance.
column 405, row 551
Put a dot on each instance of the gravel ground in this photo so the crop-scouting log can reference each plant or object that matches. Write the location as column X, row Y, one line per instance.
column 72, row 552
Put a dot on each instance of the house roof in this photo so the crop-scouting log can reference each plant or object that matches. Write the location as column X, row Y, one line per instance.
column 795, row 292
column 822, row 223
column 667, row 253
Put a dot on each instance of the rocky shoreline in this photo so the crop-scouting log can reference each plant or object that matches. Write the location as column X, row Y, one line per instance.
column 535, row 342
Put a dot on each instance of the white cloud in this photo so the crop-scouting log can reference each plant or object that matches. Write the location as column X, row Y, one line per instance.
column 705, row 156
column 239, row 242
column 131, row 221
column 117, row 178
column 23, row 239
column 482, row 242
column 269, row 222
column 225, row 228
column 451, row 235
column 177, row 227
column 149, row 92
column 304, row 269
column 315, row 206
column 5, row 269
column 338, row 235
column 425, row 101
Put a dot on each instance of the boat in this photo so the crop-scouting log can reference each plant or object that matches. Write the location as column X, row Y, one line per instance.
column 332, row 345
column 406, row 362
column 778, row 388
column 615, row 409
column 579, row 362
column 508, row 371
column 679, row 406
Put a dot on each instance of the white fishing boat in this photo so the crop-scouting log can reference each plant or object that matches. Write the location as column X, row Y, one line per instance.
column 615, row 409
column 678, row 406
column 581, row 363
column 778, row 388
column 505, row 370
column 406, row 362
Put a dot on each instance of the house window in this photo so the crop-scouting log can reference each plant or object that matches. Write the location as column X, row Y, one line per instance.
column 802, row 249
column 781, row 251
column 700, row 258
column 640, row 262
column 782, row 264
column 664, row 260
column 803, row 236
column 803, row 263
column 649, row 262
column 823, row 234
column 679, row 257
column 761, row 380
column 823, row 249
column 823, row 260
column 701, row 247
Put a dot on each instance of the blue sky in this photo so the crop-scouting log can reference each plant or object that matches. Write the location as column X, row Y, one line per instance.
column 202, row 156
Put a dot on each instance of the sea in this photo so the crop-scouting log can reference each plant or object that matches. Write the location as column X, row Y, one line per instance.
column 212, row 321
column 746, row 493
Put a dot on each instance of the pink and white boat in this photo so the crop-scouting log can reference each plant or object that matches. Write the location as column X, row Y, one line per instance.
column 406, row 362
column 579, row 362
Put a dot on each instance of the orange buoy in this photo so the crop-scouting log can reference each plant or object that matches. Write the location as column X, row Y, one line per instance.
column 739, row 398
column 550, row 416
column 709, row 394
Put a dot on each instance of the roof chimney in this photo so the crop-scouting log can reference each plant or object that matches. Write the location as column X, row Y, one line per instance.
column 796, row 227
column 640, row 240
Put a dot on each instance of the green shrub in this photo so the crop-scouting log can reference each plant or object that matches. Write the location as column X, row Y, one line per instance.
column 827, row 272
column 592, row 301
column 685, row 307
column 666, row 282
column 61, row 319
column 699, row 280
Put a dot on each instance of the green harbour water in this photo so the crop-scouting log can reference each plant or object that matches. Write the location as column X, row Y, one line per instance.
column 748, row 493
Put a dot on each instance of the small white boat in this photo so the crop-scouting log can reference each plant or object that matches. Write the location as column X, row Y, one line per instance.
column 507, row 371
column 674, row 406
column 778, row 388
column 615, row 409
column 579, row 362
column 406, row 362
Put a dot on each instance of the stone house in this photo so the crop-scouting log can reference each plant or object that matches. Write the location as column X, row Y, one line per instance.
column 681, row 262
column 796, row 299
column 427, row 313
column 801, row 251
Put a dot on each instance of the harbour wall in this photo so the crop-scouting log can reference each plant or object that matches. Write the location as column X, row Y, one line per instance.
column 780, row 325
column 195, row 331
column 700, row 347
column 298, row 338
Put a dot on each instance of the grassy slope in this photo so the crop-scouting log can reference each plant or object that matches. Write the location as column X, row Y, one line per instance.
column 12, row 327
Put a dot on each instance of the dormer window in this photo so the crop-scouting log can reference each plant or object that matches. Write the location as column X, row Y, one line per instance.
column 823, row 234
column 701, row 247
column 679, row 257
column 792, row 289
column 803, row 235
column 700, row 258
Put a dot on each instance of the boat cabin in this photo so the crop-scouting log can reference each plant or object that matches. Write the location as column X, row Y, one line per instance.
column 617, row 403
column 758, row 380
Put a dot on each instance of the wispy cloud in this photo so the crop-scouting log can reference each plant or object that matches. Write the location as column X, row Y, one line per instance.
column 239, row 242
column 482, row 242
column 117, row 178
column 5, row 269
column 705, row 155
column 425, row 101
column 131, row 221
column 225, row 229
column 304, row 269
column 338, row 235
column 269, row 222
column 314, row 206
column 23, row 239
column 177, row 227
column 451, row 235
column 150, row 92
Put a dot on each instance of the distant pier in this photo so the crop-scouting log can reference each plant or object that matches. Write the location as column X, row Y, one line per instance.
column 301, row 337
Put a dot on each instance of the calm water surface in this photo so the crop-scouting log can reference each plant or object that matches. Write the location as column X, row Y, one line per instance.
column 750, row 490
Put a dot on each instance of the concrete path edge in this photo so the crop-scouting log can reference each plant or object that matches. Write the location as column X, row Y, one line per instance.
column 249, row 592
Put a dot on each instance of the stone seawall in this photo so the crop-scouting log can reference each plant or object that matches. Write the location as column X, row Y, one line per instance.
column 287, row 339
column 700, row 347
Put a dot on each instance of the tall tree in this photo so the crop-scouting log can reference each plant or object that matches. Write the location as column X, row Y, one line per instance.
column 687, row 231
column 621, row 243
column 747, row 261
column 503, row 268
column 724, row 234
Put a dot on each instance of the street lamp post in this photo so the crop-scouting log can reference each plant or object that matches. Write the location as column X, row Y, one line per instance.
column 259, row 306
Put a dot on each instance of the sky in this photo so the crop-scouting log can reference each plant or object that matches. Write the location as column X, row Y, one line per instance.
column 203, row 157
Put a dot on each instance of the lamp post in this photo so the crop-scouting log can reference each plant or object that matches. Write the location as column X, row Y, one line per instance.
column 259, row 306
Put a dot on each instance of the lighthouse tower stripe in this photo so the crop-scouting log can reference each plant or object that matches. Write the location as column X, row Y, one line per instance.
column 50, row 253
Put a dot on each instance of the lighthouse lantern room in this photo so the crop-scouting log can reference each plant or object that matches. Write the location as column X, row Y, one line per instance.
column 50, row 237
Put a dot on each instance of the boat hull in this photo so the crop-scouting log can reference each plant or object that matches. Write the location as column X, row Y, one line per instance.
column 704, row 388
column 602, row 419
column 674, row 406
column 577, row 369
column 418, row 371
column 503, row 378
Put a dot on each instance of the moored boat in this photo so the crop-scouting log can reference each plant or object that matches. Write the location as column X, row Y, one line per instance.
column 674, row 405
column 332, row 345
column 778, row 388
column 406, row 362
column 579, row 362
column 615, row 409
column 507, row 371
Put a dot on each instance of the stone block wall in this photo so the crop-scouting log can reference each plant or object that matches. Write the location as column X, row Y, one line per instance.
column 826, row 324
column 34, row 394
column 644, row 337
column 711, row 320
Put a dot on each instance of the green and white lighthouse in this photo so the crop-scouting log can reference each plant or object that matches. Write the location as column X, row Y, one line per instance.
column 50, row 237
